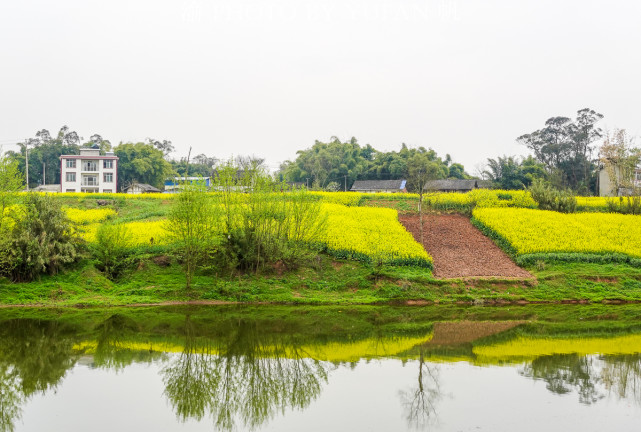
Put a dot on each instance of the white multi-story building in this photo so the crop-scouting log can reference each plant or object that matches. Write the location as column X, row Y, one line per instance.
column 89, row 171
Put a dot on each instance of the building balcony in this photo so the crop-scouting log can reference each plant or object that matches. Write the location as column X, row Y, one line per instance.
column 87, row 183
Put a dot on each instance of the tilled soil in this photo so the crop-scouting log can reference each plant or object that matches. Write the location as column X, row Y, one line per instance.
column 459, row 249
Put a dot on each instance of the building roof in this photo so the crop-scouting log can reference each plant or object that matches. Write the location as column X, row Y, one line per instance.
column 145, row 187
column 364, row 185
column 455, row 184
column 92, row 157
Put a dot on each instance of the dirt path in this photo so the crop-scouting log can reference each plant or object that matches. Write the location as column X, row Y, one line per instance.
column 460, row 250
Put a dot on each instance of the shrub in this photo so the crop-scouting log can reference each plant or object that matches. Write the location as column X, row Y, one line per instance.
column 193, row 225
column 549, row 198
column 43, row 240
column 625, row 205
column 263, row 226
column 112, row 249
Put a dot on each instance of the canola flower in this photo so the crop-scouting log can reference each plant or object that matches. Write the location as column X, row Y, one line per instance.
column 336, row 352
column 364, row 233
column 371, row 234
column 540, row 231
column 98, row 195
column 592, row 203
column 86, row 216
column 140, row 232
column 344, row 198
column 522, row 348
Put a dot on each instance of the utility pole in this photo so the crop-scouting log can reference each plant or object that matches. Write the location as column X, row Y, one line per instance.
column 345, row 190
column 44, row 174
column 187, row 168
column 26, row 155
column 306, row 182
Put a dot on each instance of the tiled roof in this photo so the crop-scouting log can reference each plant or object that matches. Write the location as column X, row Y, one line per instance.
column 360, row 185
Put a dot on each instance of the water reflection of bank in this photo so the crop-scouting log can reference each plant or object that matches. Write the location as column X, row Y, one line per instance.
column 244, row 366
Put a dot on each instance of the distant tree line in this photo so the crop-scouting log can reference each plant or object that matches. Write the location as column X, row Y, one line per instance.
column 564, row 155
column 337, row 164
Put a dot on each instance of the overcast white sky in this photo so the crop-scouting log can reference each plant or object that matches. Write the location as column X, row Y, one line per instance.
column 270, row 77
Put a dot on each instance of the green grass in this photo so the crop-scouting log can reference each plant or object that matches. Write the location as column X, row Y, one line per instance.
column 329, row 281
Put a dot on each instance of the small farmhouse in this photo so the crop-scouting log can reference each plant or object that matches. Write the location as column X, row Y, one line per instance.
column 609, row 187
column 89, row 171
column 456, row 185
column 389, row 186
column 140, row 188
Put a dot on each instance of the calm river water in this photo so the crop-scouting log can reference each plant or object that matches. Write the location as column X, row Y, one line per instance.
column 534, row 368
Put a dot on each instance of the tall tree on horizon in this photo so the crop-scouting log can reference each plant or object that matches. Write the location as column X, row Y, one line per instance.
column 566, row 148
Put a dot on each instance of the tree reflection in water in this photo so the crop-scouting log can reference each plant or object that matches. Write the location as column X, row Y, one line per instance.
column 111, row 338
column 248, row 377
column 242, row 370
column 34, row 356
column 419, row 403
column 622, row 375
column 565, row 372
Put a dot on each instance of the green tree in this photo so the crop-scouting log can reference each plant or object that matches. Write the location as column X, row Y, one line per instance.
column 11, row 181
column 421, row 168
column 511, row 172
column 193, row 224
column 165, row 146
column 42, row 241
column 44, row 154
column 143, row 163
column 566, row 148
column 457, row 171
column 112, row 249
column 199, row 166
column 345, row 162
column 97, row 140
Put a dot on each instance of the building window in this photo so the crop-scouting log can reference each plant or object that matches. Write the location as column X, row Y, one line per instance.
column 70, row 190
column 70, row 163
column 108, row 164
column 90, row 181
column 89, row 166
column 70, row 177
column 106, row 191
column 109, row 178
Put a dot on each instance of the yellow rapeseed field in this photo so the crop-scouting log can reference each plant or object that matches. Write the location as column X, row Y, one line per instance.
column 530, row 347
column 86, row 216
column 140, row 232
column 336, row 352
column 539, row 231
column 371, row 233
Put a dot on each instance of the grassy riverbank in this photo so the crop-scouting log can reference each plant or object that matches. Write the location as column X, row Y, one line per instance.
column 328, row 281
column 154, row 275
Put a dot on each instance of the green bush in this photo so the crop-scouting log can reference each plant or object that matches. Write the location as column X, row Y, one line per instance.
column 112, row 250
column 43, row 240
column 262, row 228
column 625, row 205
column 549, row 198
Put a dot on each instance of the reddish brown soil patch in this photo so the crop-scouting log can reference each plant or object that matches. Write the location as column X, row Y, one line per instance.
column 459, row 249
column 337, row 265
